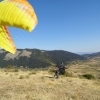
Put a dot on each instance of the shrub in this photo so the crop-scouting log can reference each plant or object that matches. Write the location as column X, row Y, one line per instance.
column 33, row 72
column 16, row 70
column 88, row 76
column 21, row 77
column 9, row 67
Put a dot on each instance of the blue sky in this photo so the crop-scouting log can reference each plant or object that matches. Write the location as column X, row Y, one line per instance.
column 71, row 25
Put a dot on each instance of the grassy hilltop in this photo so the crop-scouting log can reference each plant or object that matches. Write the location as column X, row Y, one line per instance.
column 39, row 84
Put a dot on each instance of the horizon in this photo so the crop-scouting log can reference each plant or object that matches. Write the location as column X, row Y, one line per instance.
column 80, row 53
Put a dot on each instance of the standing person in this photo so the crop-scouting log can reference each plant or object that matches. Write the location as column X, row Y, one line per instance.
column 61, row 70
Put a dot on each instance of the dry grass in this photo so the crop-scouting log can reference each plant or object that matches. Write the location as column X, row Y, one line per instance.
column 91, row 66
column 28, row 85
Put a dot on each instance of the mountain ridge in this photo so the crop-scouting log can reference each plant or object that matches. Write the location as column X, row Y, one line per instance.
column 35, row 58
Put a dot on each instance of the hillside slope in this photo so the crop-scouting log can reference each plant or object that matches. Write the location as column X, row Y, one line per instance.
column 37, row 58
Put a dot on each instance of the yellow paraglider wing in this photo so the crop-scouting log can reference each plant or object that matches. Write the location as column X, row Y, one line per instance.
column 18, row 13
column 6, row 41
column 15, row 13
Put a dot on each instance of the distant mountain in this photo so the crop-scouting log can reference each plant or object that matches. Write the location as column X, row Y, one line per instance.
column 80, row 53
column 35, row 58
column 92, row 55
column 83, row 53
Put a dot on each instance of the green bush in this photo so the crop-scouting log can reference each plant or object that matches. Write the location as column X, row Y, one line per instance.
column 88, row 76
column 21, row 77
column 9, row 67
column 31, row 73
column 16, row 70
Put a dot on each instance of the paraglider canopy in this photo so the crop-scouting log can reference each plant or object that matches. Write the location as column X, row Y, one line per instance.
column 15, row 13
